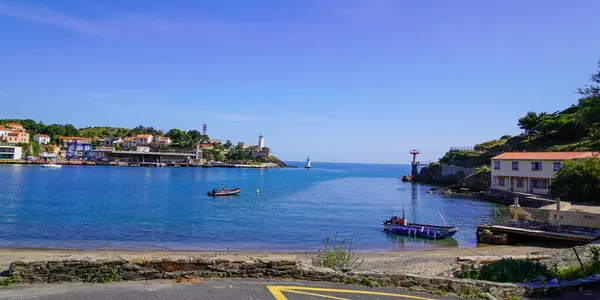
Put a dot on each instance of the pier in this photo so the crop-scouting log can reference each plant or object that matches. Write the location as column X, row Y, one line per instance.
column 517, row 233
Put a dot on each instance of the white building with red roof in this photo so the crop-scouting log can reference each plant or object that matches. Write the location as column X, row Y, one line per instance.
column 530, row 172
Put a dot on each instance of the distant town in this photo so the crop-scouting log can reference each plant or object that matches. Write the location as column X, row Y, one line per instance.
column 27, row 141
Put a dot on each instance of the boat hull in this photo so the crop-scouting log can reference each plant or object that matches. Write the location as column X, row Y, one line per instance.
column 421, row 230
column 52, row 166
column 225, row 193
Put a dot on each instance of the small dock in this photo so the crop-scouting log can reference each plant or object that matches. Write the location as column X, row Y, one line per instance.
column 516, row 233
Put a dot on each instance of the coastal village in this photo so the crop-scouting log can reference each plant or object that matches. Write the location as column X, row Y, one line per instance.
column 16, row 146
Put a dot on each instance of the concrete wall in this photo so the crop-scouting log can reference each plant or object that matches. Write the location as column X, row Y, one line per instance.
column 554, row 217
column 448, row 170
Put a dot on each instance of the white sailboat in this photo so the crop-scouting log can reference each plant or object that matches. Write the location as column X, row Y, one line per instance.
column 307, row 163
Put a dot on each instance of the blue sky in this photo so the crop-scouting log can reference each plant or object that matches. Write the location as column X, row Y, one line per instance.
column 339, row 80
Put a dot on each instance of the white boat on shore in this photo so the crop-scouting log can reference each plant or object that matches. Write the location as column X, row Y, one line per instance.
column 52, row 166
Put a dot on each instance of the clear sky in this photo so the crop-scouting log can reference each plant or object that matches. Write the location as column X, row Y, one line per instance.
column 339, row 80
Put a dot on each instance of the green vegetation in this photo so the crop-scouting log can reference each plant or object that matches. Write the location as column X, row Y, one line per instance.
column 524, row 270
column 106, row 277
column 368, row 281
column 578, row 181
column 8, row 281
column 576, row 128
column 507, row 271
column 336, row 256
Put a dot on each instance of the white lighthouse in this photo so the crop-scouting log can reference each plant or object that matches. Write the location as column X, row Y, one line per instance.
column 261, row 141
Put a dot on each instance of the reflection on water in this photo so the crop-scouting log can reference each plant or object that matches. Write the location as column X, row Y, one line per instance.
column 403, row 241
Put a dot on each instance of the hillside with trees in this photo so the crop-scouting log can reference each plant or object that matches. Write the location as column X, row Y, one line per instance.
column 576, row 128
column 181, row 140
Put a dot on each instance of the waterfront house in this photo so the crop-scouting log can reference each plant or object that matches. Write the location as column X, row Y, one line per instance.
column 70, row 139
column 41, row 138
column 530, row 172
column 17, row 137
column 215, row 141
column 53, row 149
column 163, row 141
column 4, row 132
column 144, row 139
column 11, row 152
column 129, row 142
column 15, row 126
column 111, row 141
column 205, row 146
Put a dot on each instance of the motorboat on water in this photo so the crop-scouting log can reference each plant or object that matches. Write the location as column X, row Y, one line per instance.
column 52, row 166
column 224, row 192
column 400, row 226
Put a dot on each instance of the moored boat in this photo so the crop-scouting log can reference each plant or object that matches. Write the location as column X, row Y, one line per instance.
column 231, row 192
column 400, row 226
column 52, row 165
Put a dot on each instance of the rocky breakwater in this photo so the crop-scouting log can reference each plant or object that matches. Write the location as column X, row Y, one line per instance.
column 248, row 267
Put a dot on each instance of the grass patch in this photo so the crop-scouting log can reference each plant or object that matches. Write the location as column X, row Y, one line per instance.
column 336, row 256
column 8, row 281
column 106, row 277
column 368, row 281
column 507, row 271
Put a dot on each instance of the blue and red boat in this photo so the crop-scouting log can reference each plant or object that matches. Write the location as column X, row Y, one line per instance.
column 400, row 226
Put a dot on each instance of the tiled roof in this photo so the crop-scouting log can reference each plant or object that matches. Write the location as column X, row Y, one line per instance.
column 144, row 135
column 544, row 155
column 5, row 128
column 75, row 138
column 129, row 139
column 14, row 124
column 42, row 135
column 15, row 133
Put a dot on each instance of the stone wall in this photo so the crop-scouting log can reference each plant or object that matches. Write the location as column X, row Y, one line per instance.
column 142, row 269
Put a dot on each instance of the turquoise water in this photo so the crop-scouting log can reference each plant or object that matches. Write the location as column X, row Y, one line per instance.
column 80, row 207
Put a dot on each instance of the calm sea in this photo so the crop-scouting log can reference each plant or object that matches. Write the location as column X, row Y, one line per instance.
column 167, row 208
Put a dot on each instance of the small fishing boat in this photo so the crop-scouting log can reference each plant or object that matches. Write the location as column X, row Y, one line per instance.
column 51, row 165
column 231, row 192
column 400, row 226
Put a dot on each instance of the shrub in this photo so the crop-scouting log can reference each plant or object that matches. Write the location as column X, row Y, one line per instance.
column 578, row 181
column 506, row 271
column 513, row 271
column 336, row 256
column 103, row 277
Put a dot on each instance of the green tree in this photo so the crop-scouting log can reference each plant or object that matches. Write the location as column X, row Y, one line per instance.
column 194, row 136
column 228, row 144
column 529, row 122
column 578, row 181
column 588, row 114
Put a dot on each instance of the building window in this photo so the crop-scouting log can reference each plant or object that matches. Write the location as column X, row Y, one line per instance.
column 519, row 182
column 501, row 181
column 496, row 165
column 536, row 166
column 515, row 165
column 556, row 166
column 539, row 183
